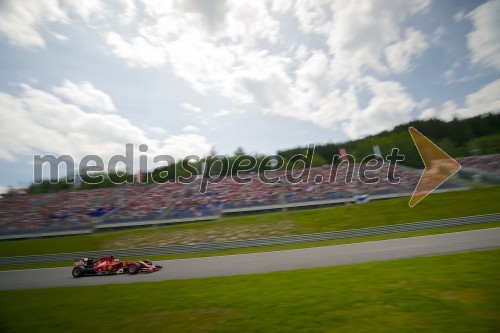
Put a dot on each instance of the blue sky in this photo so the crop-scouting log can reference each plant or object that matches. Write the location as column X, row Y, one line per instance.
column 189, row 76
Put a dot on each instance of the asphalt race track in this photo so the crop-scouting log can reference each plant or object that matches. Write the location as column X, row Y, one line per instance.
column 267, row 261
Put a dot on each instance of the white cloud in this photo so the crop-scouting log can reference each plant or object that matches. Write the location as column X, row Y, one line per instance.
column 250, row 21
column 312, row 15
column 137, row 52
column 84, row 94
column 212, row 14
column 437, row 35
column 215, row 50
column 244, row 22
column 362, row 31
column 59, row 36
column 157, row 130
column 428, row 114
column 400, row 54
column 312, row 97
column 202, row 64
column 191, row 108
column 87, row 8
column 459, row 16
column 390, row 105
column 212, row 47
column 262, row 80
column 185, row 32
column 183, row 145
column 482, row 101
column 449, row 110
column 38, row 122
column 483, row 41
column 190, row 128
column 423, row 103
column 487, row 99
column 301, row 52
column 281, row 6
column 313, row 67
column 224, row 112
column 450, row 73
column 20, row 20
column 129, row 12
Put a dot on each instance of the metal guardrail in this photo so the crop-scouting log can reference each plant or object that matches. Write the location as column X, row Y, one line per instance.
column 256, row 242
column 40, row 234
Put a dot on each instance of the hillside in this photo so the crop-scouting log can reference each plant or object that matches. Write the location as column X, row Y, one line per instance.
column 478, row 135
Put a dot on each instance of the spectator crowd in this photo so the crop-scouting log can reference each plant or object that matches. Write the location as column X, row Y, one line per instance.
column 136, row 202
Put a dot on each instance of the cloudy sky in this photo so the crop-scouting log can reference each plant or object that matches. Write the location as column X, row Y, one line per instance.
column 185, row 76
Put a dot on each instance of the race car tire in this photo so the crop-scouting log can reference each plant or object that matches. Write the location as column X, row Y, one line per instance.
column 134, row 268
column 78, row 271
column 149, row 262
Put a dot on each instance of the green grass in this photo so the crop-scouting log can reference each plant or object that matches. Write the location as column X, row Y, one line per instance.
column 436, row 206
column 448, row 293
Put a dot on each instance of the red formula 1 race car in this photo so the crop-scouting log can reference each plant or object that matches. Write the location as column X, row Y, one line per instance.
column 111, row 266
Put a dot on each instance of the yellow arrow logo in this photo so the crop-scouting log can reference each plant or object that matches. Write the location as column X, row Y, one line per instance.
column 439, row 166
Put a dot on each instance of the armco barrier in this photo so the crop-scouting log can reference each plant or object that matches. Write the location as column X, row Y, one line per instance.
column 256, row 242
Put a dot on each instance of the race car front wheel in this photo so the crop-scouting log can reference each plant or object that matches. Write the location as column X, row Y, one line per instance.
column 78, row 271
column 134, row 268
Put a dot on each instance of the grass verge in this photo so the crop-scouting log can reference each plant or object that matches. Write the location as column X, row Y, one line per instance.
column 447, row 293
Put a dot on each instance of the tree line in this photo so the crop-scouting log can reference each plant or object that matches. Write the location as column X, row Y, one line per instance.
column 478, row 135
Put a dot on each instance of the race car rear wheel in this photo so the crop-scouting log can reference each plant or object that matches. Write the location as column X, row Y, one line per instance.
column 134, row 268
column 78, row 271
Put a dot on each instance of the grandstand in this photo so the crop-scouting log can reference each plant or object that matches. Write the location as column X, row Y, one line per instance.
column 483, row 163
column 153, row 203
